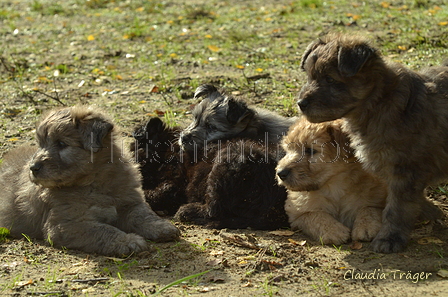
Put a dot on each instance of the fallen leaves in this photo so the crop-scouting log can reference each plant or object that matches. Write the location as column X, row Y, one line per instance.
column 429, row 240
column 282, row 232
column 236, row 239
column 19, row 285
column 443, row 273
column 299, row 243
column 214, row 48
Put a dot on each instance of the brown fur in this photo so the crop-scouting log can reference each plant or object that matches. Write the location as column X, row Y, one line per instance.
column 397, row 120
column 78, row 189
column 330, row 196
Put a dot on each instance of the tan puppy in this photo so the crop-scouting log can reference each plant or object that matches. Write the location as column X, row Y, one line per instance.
column 397, row 120
column 78, row 189
column 330, row 196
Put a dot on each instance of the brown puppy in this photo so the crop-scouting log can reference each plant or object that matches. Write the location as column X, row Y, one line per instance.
column 78, row 189
column 330, row 196
column 397, row 120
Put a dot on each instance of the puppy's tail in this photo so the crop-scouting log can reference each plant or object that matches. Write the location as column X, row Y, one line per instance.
column 207, row 91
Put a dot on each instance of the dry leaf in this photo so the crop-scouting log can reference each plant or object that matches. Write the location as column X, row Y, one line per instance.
column 216, row 253
column 356, row 245
column 153, row 89
column 90, row 38
column 282, row 232
column 214, row 48
column 301, row 243
column 23, row 283
column 428, row 240
column 214, row 262
column 443, row 273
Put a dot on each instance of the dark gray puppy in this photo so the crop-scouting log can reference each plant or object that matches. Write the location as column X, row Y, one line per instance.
column 221, row 117
column 397, row 120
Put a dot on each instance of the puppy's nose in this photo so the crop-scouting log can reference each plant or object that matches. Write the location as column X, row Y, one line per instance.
column 283, row 173
column 35, row 167
column 303, row 103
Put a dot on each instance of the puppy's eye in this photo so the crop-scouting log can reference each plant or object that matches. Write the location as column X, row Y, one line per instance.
column 310, row 151
column 62, row 144
column 329, row 79
column 210, row 127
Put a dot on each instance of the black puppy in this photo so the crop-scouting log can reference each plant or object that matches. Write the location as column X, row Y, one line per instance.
column 225, row 185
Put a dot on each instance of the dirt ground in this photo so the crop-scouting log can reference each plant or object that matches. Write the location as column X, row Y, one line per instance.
column 236, row 262
column 135, row 65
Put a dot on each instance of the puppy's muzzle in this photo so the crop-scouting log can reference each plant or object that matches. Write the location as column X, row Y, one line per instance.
column 36, row 167
column 303, row 104
column 283, row 173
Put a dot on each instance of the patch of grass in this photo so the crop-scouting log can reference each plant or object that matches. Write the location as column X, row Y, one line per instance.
column 269, row 289
column 4, row 232
column 179, row 281
column 323, row 286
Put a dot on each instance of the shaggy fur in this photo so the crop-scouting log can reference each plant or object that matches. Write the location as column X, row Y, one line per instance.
column 162, row 166
column 397, row 120
column 220, row 117
column 330, row 196
column 78, row 189
column 229, row 185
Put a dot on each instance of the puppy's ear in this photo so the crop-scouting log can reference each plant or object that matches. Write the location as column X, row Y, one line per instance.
column 154, row 126
column 341, row 139
column 94, row 129
column 204, row 91
column 237, row 112
column 351, row 59
column 311, row 47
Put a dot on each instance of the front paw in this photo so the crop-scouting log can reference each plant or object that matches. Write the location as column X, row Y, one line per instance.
column 337, row 235
column 389, row 243
column 366, row 233
column 126, row 244
column 162, row 231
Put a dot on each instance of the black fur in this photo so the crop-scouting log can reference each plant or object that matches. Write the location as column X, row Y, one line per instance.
column 233, row 185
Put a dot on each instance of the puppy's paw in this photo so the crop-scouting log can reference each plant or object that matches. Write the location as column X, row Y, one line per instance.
column 337, row 235
column 126, row 245
column 389, row 243
column 161, row 231
column 367, row 224
column 366, row 232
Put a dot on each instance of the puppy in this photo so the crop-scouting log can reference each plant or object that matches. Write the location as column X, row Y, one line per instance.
column 162, row 165
column 226, row 185
column 220, row 117
column 78, row 189
column 397, row 120
column 330, row 196
column 236, row 188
